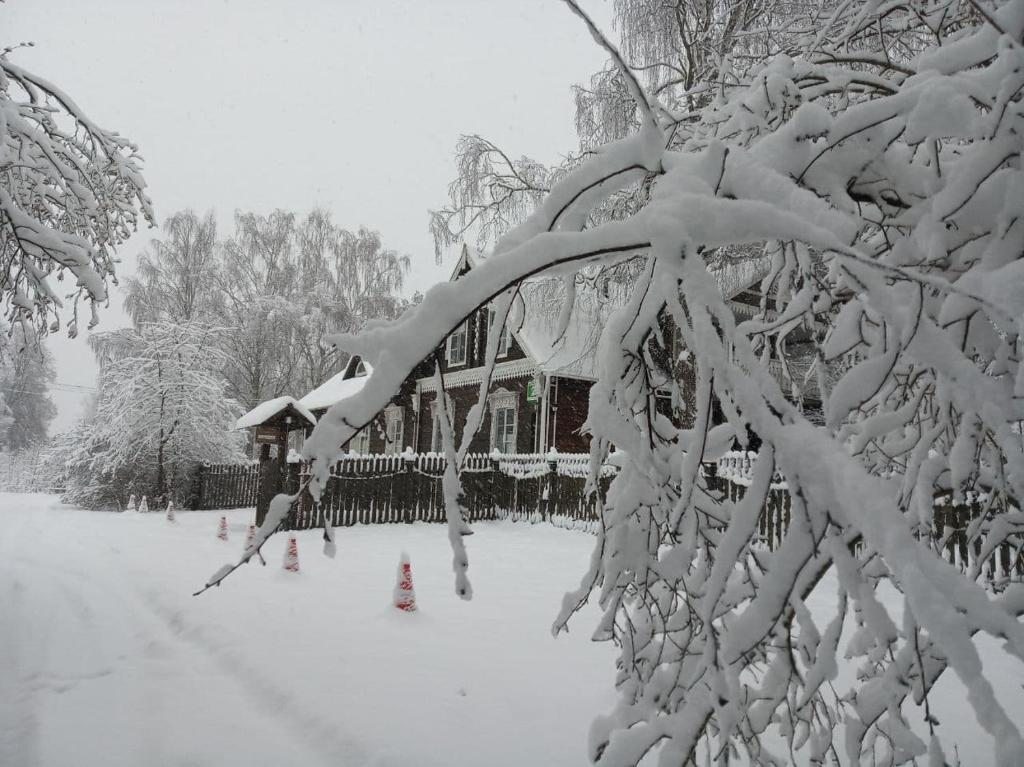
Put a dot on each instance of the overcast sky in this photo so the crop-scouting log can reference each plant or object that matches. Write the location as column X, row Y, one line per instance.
column 354, row 106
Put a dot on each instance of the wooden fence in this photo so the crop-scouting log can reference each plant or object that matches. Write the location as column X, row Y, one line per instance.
column 228, row 486
column 408, row 488
column 954, row 525
column 379, row 489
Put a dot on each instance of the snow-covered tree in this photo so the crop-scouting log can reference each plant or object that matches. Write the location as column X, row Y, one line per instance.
column 26, row 372
column 286, row 284
column 176, row 278
column 876, row 164
column 70, row 192
column 161, row 410
column 277, row 287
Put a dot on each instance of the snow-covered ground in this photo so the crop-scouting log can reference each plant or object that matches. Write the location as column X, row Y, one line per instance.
column 106, row 659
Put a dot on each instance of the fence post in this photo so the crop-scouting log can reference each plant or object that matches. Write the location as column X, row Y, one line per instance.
column 551, row 487
column 270, row 482
column 202, row 482
column 408, row 483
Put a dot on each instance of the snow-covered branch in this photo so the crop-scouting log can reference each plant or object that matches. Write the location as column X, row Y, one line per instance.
column 875, row 167
column 70, row 192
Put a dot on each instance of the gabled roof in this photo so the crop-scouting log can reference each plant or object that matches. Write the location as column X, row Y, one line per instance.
column 571, row 351
column 266, row 411
column 338, row 387
column 535, row 323
column 468, row 258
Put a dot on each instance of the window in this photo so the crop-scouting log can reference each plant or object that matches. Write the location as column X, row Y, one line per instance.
column 504, row 432
column 457, row 346
column 506, row 334
column 436, row 443
column 435, row 432
column 296, row 438
column 393, row 429
column 504, row 407
column 361, row 442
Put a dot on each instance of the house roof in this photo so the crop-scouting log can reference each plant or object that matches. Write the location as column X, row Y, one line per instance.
column 338, row 387
column 268, row 410
column 535, row 323
column 571, row 351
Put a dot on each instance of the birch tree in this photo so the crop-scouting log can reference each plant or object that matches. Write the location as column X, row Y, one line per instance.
column 176, row 277
column 876, row 164
column 285, row 284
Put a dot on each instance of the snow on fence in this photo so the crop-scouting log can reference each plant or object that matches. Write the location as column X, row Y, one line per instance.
column 374, row 489
column 956, row 528
column 407, row 488
column 738, row 467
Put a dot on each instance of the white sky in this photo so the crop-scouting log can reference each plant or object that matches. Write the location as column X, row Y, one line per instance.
column 260, row 104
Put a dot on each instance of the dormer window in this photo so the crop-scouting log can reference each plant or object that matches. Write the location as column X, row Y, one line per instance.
column 504, row 340
column 457, row 346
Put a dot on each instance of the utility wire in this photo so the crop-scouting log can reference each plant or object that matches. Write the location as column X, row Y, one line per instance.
column 68, row 388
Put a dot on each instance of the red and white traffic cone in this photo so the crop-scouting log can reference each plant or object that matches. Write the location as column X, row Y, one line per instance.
column 250, row 537
column 405, row 595
column 291, row 555
column 222, row 529
column 170, row 511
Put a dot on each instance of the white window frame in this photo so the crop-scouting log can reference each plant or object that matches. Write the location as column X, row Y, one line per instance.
column 394, row 416
column 463, row 333
column 436, row 443
column 435, row 430
column 502, row 399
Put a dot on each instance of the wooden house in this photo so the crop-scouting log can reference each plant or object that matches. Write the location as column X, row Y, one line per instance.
column 538, row 396
column 539, row 393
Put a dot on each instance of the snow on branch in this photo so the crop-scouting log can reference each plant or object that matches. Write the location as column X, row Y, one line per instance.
column 70, row 192
column 868, row 183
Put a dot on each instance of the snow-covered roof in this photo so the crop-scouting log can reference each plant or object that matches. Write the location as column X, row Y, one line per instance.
column 572, row 352
column 336, row 388
column 267, row 410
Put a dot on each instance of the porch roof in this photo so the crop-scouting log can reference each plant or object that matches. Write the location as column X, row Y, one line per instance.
column 275, row 409
column 336, row 388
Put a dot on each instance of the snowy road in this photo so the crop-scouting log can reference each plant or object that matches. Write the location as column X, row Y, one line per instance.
column 108, row 660
column 100, row 668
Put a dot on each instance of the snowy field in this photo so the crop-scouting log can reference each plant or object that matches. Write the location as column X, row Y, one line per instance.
column 106, row 658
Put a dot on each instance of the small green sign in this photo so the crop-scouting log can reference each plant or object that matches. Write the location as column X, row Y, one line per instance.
column 532, row 388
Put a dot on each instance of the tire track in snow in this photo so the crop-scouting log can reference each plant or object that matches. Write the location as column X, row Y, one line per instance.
column 67, row 645
column 282, row 705
column 19, row 726
column 162, row 629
